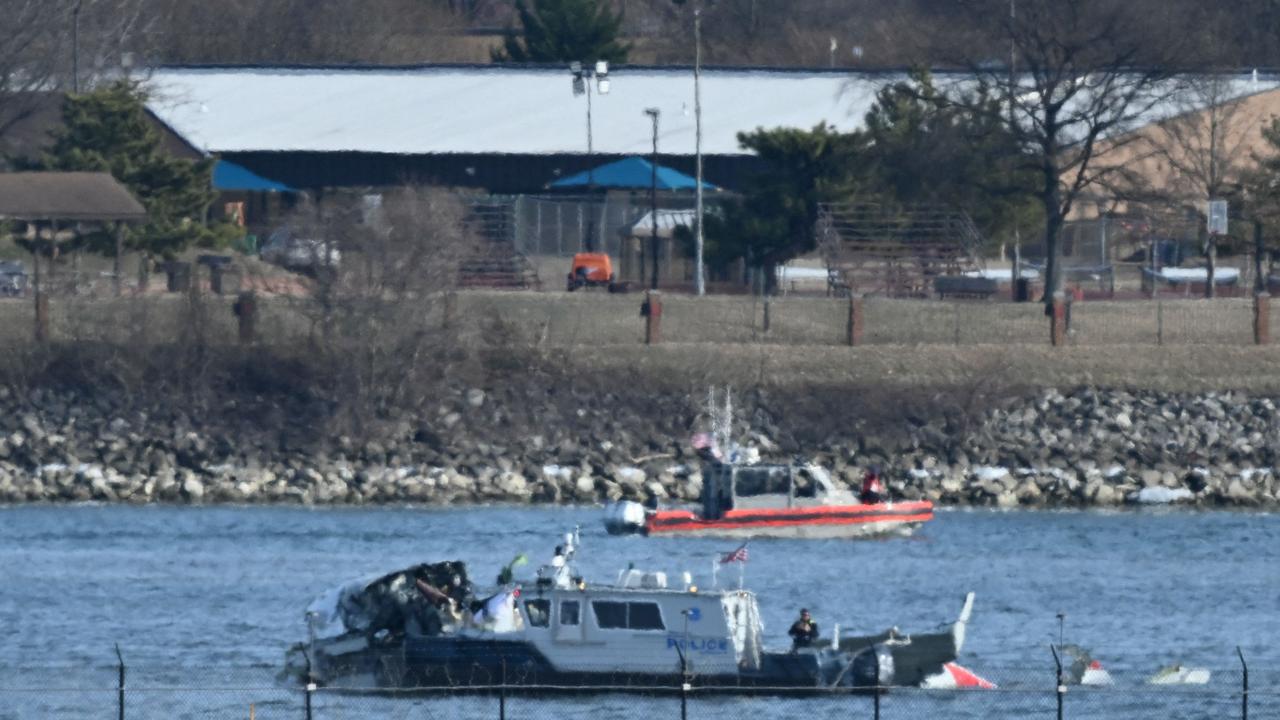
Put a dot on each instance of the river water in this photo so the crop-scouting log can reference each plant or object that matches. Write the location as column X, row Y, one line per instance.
column 204, row 601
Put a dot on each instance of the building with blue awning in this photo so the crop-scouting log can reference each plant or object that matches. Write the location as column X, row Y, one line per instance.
column 633, row 173
column 230, row 177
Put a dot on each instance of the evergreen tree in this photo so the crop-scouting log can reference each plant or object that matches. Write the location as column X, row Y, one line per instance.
column 564, row 31
column 108, row 130
column 921, row 148
column 773, row 220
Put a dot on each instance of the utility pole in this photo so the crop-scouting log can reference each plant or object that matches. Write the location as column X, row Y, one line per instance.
column 75, row 47
column 653, row 201
column 699, row 274
column 1016, row 270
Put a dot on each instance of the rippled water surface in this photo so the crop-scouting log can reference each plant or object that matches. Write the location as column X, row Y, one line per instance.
column 213, row 596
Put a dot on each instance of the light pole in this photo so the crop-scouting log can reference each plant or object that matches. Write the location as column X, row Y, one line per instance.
column 699, row 280
column 75, row 47
column 653, row 201
column 582, row 77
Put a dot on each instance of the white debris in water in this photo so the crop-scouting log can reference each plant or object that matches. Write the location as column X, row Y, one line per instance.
column 1161, row 495
column 987, row 472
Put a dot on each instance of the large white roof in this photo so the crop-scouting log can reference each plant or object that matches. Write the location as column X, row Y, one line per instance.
column 494, row 109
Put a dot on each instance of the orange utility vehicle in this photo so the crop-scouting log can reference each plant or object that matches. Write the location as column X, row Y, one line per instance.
column 591, row 270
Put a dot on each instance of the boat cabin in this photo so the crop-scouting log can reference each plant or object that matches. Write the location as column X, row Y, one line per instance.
column 644, row 625
column 728, row 486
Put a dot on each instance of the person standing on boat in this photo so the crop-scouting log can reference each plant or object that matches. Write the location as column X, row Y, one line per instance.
column 872, row 489
column 803, row 631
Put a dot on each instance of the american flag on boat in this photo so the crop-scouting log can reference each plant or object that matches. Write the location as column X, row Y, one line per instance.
column 739, row 555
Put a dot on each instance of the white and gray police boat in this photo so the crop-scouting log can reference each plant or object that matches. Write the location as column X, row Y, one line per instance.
column 429, row 627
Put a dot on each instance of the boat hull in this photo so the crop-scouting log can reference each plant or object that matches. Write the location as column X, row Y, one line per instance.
column 837, row 521
column 466, row 664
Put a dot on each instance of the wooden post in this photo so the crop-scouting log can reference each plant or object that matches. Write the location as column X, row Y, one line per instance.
column 1210, row 285
column 1262, row 318
column 1160, row 323
column 1058, row 322
column 853, row 330
column 652, row 312
column 41, row 301
column 246, row 311
column 766, row 313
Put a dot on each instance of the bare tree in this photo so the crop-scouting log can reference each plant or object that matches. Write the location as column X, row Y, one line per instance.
column 30, row 36
column 374, row 310
column 1081, row 74
column 1205, row 151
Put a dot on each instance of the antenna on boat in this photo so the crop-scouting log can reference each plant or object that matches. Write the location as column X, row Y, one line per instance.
column 721, row 417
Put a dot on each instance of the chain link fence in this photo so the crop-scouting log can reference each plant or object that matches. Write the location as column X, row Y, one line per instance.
column 170, row 693
column 590, row 318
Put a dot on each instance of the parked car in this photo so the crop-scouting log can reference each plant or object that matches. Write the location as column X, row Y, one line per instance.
column 13, row 278
column 288, row 250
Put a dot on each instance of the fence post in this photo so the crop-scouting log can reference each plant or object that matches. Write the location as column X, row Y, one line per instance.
column 876, row 701
column 120, row 681
column 42, row 314
column 246, row 312
column 502, row 691
column 450, row 311
column 310, row 688
column 1058, row 320
column 853, row 330
column 1262, row 318
column 651, row 311
column 766, row 313
column 1160, row 323
column 1244, row 695
column 1061, row 687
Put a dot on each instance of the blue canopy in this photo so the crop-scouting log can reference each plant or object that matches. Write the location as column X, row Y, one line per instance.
column 633, row 173
column 229, row 176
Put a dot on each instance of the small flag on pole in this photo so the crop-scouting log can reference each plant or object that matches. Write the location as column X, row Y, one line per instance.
column 737, row 556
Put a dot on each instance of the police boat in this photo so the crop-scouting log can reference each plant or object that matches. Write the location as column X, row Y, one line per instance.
column 428, row 627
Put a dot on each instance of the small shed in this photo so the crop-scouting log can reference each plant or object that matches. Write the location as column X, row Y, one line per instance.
column 49, row 201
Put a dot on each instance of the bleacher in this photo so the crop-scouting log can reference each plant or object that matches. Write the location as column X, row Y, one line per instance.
column 873, row 249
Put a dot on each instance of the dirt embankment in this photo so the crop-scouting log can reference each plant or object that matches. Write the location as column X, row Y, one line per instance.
column 990, row 426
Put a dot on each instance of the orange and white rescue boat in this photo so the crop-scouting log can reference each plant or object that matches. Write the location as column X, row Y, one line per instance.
column 766, row 500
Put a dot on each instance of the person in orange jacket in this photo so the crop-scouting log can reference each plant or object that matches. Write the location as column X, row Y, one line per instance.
column 872, row 488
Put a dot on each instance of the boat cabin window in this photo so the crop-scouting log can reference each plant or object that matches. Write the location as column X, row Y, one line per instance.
column 761, row 480
column 539, row 612
column 621, row 615
column 569, row 612
column 806, row 485
column 644, row 616
column 610, row 615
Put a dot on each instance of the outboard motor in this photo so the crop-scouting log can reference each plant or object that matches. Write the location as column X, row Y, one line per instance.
column 871, row 667
column 624, row 517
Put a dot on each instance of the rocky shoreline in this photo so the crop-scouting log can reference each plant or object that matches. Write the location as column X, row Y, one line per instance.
column 1087, row 447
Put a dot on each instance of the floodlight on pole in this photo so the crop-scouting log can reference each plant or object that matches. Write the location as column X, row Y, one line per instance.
column 582, row 81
